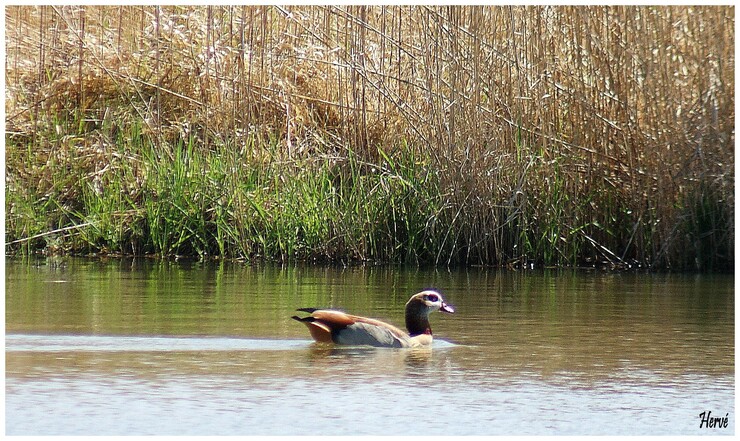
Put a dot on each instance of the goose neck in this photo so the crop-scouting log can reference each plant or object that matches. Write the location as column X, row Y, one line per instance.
column 417, row 320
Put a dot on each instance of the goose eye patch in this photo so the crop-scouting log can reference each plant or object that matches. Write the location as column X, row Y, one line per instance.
column 433, row 297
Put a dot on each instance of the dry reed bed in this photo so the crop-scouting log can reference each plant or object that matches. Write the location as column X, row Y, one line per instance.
column 555, row 135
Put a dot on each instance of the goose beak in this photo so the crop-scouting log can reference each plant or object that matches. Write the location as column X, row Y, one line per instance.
column 446, row 308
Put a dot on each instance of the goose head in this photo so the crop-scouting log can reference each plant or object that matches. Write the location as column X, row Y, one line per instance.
column 418, row 309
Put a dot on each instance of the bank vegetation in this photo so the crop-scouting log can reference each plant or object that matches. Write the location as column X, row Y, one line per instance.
column 519, row 136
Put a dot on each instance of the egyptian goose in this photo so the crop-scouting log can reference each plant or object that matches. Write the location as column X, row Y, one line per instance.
column 332, row 326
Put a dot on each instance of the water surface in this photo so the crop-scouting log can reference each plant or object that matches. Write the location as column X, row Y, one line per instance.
column 144, row 347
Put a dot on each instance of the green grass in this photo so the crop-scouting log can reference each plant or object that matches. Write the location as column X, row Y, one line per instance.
column 182, row 200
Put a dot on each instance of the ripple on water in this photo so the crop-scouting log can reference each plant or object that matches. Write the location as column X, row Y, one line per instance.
column 97, row 343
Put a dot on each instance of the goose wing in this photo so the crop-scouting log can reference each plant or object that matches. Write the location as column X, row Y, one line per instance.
column 328, row 325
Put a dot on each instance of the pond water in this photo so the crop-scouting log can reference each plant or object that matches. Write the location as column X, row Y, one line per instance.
column 146, row 347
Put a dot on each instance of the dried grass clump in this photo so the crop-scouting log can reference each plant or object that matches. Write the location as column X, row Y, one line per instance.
column 556, row 135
